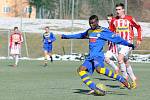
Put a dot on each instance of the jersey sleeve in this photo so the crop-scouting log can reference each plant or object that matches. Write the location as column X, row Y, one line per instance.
column 75, row 36
column 10, row 41
column 112, row 26
column 43, row 37
column 138, row 27
column 21, row 37
column 106, row 34
column 52, row 37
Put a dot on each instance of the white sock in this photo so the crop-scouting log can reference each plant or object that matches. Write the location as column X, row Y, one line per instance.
column 123, row 70
column 113, row 65
column 16, row 59
column 130, row 72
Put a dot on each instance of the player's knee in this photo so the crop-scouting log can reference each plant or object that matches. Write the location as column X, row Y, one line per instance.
column 81, row 68
column 107, row 60
column 127, row 63
column 98, row 69
column 120, row 61
column 121, row 58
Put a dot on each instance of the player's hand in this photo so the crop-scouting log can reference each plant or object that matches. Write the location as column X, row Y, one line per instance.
column 49, row 40
column 132, row 46
column 60, row 35
column 16, row 43
column 138, row 42
column 19, row 42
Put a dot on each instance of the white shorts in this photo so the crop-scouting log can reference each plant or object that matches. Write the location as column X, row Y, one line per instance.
column 111, row 55
column 15, row 49
column 125, row 50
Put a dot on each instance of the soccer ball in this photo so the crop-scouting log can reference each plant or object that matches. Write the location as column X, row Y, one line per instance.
column 100, row 89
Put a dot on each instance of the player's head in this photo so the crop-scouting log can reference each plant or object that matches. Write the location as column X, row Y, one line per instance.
column 46, row 29
column 120, row 9
column 93, row 21
column 16, row 30
column 109, row 17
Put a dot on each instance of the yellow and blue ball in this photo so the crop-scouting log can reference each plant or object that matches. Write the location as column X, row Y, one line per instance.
column 100, row 89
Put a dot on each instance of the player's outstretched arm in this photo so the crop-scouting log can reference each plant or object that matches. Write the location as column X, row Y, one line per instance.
column 139, row 31
column 52, row 37
column 74, row 36
column 110, row 36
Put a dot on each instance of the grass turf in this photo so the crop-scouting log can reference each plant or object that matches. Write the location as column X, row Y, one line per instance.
column 59, row 81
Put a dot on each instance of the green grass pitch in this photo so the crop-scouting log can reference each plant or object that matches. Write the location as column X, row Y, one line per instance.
column 59, row 81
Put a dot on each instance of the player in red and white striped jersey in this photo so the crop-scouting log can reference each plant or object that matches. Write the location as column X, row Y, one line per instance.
column 16, row 40
column 123, row 25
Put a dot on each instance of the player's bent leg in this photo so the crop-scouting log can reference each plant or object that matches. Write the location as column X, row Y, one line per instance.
column 16, row 60
column 112, row 64
column 132, row 75
column 50, row 55
column 50, row 52
column 122, row 66
column 45, row 58
column 107, row 60
column 111, row 74
column 84, row 71
column 108, row 56
column 85, row 77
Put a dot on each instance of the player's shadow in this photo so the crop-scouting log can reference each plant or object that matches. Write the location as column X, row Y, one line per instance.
column 105, row 79
column 108, row 79
column 113, row 86
column 116, row 93
column 11, row 65
column 83, row 91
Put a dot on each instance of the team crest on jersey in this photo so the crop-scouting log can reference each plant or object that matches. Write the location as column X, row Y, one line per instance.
column 98, row 35
column 114, row 35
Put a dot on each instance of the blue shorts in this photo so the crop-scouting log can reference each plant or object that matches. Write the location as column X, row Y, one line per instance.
column 47, row 47
column 91, row 65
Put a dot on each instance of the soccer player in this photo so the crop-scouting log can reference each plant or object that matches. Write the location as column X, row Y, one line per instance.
column 16, row 40
column 48, row 39
column 97, row 36
column 123, row 25
column 112, row 52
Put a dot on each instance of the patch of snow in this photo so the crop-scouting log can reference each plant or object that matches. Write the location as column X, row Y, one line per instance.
column 37, row 25
column 81, row 57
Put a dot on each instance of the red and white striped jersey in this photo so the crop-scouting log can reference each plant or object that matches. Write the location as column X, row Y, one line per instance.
column 112, row 47
column 124, row 27
column 15, row 37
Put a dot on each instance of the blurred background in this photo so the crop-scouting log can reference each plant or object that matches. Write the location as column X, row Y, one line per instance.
column 63, row 16
column 62, row 9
